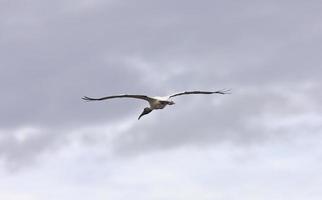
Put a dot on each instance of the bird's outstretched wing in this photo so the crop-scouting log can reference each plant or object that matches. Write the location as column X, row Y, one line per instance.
column 143, row 97
column 201, row 92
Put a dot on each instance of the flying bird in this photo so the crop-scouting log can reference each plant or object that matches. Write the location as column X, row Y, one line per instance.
column 155, row 102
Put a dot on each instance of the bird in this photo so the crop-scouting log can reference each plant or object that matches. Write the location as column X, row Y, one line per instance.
column 156, row 102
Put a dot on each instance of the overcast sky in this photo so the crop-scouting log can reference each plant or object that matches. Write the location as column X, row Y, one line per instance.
column 264, row 141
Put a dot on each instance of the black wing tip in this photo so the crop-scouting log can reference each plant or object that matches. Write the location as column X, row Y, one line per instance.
column 85, row 98
column 223, row 91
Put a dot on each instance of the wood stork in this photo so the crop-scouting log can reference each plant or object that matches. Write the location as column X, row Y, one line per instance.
column 155, row 102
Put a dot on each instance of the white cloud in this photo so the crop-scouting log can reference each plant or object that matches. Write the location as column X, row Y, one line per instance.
column 25, row 133
column 272, row 170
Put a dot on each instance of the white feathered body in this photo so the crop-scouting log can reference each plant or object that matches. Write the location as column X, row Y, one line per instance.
column 160, row 102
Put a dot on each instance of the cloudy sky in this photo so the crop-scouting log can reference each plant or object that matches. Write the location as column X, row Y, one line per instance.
column 264, row 141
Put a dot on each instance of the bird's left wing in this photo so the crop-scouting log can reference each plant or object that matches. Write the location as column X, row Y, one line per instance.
column 143, row 97
column 201, row 92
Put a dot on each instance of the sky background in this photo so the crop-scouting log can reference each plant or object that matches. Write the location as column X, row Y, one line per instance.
column 264, row 141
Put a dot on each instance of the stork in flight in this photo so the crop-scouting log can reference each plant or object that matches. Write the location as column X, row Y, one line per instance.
column 155, row 102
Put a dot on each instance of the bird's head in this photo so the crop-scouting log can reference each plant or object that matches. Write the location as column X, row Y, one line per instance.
column 146, row 110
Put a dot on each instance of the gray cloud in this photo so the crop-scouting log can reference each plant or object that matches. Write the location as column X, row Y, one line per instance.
column 53, row 53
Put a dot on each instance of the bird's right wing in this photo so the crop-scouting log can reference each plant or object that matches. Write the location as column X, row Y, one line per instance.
column 201, row 92
column 143, row 97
